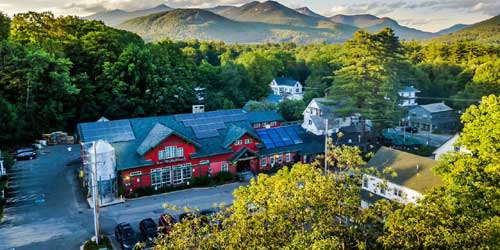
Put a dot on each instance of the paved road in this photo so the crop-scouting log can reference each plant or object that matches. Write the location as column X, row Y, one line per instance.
column 46, row 206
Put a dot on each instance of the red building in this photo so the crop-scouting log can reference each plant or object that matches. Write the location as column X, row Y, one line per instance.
column 170, row 150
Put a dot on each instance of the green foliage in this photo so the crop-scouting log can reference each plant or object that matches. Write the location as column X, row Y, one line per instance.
column 254, row 106
column 4, row 26
column 291, row 110
column 464, row 212
column 295, row 209
column 104, row 243
column 367, row 83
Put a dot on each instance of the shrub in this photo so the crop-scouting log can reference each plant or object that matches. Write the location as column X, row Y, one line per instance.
column 200, row 181
column 91, row 245
column 223, row 177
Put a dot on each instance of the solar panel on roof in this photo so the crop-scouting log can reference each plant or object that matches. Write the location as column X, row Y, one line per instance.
column 206, row 134
column 112, row 131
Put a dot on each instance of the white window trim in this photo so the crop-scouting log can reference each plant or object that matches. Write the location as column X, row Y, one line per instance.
column 248, row 141
column 288, row 157
column 225, row 167
column 238, row 142
column 263, row 161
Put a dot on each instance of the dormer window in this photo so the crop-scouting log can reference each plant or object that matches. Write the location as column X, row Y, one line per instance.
column 238, row 142
column 170, row 152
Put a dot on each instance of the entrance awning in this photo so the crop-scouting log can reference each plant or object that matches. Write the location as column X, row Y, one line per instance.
column 243, row 154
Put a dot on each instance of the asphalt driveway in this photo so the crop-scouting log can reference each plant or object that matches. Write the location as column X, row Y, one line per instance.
column 47, row 209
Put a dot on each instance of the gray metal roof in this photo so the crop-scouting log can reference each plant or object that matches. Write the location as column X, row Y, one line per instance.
column 436, row 107
column 157, row 134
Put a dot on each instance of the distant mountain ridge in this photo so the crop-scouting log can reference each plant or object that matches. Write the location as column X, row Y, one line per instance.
column 308, row 12
column 115, row 17
column 270, row 21
column 452, row 29
column 486, row 32
column 374, row 24
column 202, row 24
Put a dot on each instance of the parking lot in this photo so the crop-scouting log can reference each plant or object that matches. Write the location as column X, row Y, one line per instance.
column 47, row 209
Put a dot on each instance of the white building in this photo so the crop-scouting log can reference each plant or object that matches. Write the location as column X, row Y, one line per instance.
column 408, row 96
column 403, row 177
column 449, row 146
column 287, row 88
column 320, row 109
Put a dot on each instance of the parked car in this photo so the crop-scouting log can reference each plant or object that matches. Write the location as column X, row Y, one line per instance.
column 208, row 216
column 187, row 216
column 411, row 129
column 126, row 236
column 28, row 153
column 166, row 222
column 149, row 230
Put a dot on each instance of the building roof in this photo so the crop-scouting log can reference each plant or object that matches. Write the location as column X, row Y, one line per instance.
column 405, row 165
column 409, row 89
column 208, row 131
column 264, row 116
column 436, row 107
column 290, row 139
column 285, row 81
column 272, row 98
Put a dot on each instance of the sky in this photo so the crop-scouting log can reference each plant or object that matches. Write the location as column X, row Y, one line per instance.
column 428, row 15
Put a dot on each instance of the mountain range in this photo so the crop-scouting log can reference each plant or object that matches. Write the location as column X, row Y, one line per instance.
column 255, row 22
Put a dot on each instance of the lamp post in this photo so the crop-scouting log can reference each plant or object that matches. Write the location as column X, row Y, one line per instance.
column 326, row 145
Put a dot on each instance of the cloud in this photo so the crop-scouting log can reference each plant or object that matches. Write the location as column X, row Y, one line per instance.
column 92, row 6
column 375, row 8
column 487, row 7
column 203, row 3
column 420, row 22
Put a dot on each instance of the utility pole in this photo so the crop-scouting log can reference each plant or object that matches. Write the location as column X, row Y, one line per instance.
column 326, row 146
column 95, row 195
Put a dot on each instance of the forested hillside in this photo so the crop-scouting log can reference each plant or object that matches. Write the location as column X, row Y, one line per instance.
column 57, row 71
column 181, row 24
column 486, row 32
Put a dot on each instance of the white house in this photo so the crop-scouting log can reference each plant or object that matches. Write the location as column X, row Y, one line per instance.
column 402, row 177
column 320, row 109
column 287, row 88
column 408, row 96
column 449, row 146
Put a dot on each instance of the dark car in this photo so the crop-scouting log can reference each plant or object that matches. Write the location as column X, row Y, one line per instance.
column 411, row 129
column 209, row 216
column 187, row 216
column 126, row 236
column 166, row 222
column 149, row 230
column 24, row 154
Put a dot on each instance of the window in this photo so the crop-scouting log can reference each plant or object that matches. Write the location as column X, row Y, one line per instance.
column 238, row 142
column 365, row 182
column 136, row 173
column 263, row 161
column 310, row 122
column 280, row 158
column 170, row 152
column 182, row 173
column 160, row 177
column 271, row 160
column 273, row 124
column 225, row 167
column 288, row 157
column 248, row 141
column 256, row 125
column 398, row 192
